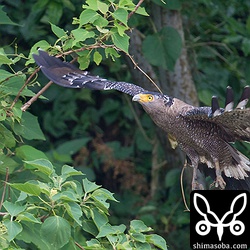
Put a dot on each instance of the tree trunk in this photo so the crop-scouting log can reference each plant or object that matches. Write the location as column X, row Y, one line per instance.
column 178, row 83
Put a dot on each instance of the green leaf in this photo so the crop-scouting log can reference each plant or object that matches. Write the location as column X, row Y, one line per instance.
column 7, row 162
column 29, row 153
column 119, row 229
column 59, row 32
column 12, row 208
column 45, row 188
column 120, row 28
column 27, row 187
column 5, row 60
column 84, row 60
column 68, row 171
column 104, row 193
column 80, row 35
column 101, row 22
column 44, row 45
column 157, row 240
column 5, row 75
column 121, row 42
column 4, row 19
column 105, row 230
column 14, row 228
column 246, row 46
column 163, row 48
column 71, row 147
column 13, row 85
column 31, row 234
column 89, row 186
column 139, row 226
column 25, row 216
column 97, row 57
column 88, row 16
column 112, row 53
column 94, row 244
column 142, row 246
column 43, row 165
column 2, row 115
column 121, row 15
column 6, row 137
column 91, row 4
column 90, row 227
column 142, row 11
column 103, row 7
column 101, row 200
column 75, row 211
column 172, row 177
column 67, row 195
column 56, row 231
column 98, row 217
column 17, row 112
column 139, row 237
column 205, row 96
column 31, row 128
column 54, row 11
column 102, row 30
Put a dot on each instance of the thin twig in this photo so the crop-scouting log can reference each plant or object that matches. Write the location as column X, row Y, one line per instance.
column 144, row 73
column 182, row 188
column 202, row 44
column 95, row 46
column 78, row 245
column 3, row 213
column 22, row 88
column 36, row 96
column 4, row 187
column 136, row 8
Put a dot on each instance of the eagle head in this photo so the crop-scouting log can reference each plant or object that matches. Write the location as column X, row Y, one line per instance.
column 153, row 100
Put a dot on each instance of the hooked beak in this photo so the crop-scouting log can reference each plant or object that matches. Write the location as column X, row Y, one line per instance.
column 139, row 98
column 136, row 98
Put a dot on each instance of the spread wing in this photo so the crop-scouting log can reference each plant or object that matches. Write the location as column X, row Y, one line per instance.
column 235, row 123
column 67, row 75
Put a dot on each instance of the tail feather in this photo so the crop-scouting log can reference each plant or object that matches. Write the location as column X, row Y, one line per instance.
column 54, row 69
column 229, row 104
column 240, row 168
column 47, row 61
column 236, row 175
column 233, row 184
column 244, row 98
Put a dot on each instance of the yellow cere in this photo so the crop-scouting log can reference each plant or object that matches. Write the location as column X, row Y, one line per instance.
column 146, row 97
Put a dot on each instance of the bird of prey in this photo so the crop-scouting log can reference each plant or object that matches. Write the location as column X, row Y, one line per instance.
column 205, row 134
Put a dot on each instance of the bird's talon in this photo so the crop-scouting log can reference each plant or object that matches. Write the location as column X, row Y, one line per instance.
column 219, row 183
column 197, row 186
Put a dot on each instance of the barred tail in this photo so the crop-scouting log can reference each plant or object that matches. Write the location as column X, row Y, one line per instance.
column 237, row 175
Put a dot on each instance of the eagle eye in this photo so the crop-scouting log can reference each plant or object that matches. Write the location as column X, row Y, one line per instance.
column 150, row 98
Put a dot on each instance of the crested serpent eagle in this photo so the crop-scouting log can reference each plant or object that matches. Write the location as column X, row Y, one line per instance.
column 205, row 134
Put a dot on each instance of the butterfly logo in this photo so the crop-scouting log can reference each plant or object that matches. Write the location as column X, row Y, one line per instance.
column 236, row 227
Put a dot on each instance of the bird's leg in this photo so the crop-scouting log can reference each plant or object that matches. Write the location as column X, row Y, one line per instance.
column 196, row 185
column 219, row 182
column 194, row 180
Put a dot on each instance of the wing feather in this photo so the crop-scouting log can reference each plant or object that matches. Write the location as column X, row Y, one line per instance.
column 234, row 123
column 67, row 75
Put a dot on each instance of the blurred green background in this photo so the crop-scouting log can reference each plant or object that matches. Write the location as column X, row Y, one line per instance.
column 112, row 140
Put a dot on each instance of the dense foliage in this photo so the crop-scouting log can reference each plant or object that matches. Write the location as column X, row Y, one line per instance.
column 106, row 138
